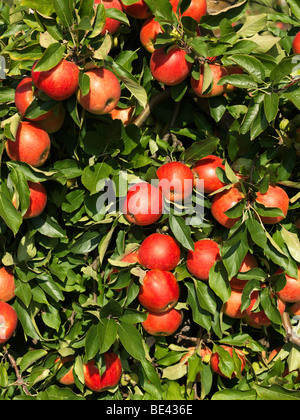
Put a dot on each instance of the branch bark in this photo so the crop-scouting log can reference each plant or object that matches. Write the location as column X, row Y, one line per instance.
column 290, row 337
column 160, row 97
column 20, row 380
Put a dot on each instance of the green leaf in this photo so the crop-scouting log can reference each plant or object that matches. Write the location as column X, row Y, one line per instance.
column 250, row 64
column 132, row 341
column 276, row 392
column 9, row 214
column 234, row 394
column 295, row 7
column 45, row 7
column 93, row 175
column 181, row 231
column 200, row 149
column 48, row 226
column 218, row 281
column 292, row 242
column 51, row 57
column 271, row 104
column 64, row 9
column 30, row 358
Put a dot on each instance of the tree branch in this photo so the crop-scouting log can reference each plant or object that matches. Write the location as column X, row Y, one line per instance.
column 20, row 380
column 160, row 97
column 290, row 337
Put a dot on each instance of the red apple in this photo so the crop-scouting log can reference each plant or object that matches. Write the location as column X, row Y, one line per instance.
column 38, row 200
column 32, row 144
column 176, row 181
column 58, row 83
column 67, row 378
column 111, row 25
column 7, row 284
column 131, row 257
column 248, row 263
column 159, row 291
column 200, row 261
column 104, row 93
column 123, row 114
column 163, row 324
column 217, row 73
column 143, row 204
column 54, row 121
column 274, row 197
column 169, row 67
column 296, row 44
column 215, row 360
column 109, row 379
column 205, row 169
column 148, row 33
column 232, row 307
column 159, row 252
column 8, row 321
column 138, row 10
column 204, row 352
column 196, row 9
column 24, row 96
column 291, row 291
column 224, row 201
column 260, row 318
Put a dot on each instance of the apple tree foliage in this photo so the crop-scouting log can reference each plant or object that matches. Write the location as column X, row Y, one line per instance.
column 65, row 300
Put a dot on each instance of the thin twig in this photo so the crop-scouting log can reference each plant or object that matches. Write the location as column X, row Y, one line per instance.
column 290, row 336
column 160, row 97
column 20, row 380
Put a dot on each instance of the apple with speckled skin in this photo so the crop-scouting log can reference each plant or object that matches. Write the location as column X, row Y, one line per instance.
column 159, row 291
column 37, row 200
column 7, row 284
column 159, row 252
column 274, row 197
column 170, row 67
column 8, row 321
column 143, row 204
column 202, row 259
column 32, row 144
column 60, row 82
column 109, row 379
column 163, row 324
column 291, row 291
column 176, row 181
column 104, row 92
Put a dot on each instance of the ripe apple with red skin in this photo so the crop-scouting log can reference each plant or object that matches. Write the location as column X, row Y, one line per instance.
column 176, row 181
column 159, row 252
column 296, row 44
column 109, row 379
column 104, row 93
column 248, row 263
column 24, row 96
column 32, row 144
column 67, row 378
column 291, row 291
column 215, row 360
column 8, row 321
column 143, row 204
column 138, row 10
column 38, row 200
column 111, row 25
column 232, row 307
column 204, row 352
column 54, row 121
column 274, row 197
column 216, row 90
column 205, row 169
column 224, row 201
column 200, row 261
column 148, row 33
column 260, row 318
column 58, row 83
column 159, row 291
column 169, row 67
column 7, row 284
column 196, row 9
column 163, row 324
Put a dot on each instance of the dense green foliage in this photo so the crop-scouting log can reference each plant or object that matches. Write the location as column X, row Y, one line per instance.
column 65, row 300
